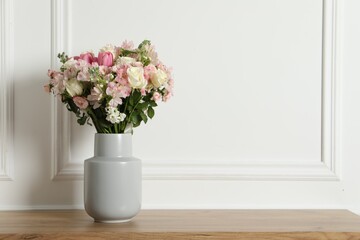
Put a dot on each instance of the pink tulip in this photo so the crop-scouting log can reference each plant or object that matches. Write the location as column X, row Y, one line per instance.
column 87, row 57
column 105, row 59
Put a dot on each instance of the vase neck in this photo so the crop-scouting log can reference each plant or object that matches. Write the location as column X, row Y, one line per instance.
column 113, row 145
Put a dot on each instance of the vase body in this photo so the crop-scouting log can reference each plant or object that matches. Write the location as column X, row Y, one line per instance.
column 112, row 180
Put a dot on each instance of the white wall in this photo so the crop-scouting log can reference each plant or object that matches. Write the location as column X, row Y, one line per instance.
column 264, row 113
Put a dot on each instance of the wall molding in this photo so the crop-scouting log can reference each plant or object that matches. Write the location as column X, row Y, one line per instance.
column 326, row 169
column 6, row 90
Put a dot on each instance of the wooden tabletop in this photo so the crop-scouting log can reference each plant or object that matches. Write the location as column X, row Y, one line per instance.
column 185, row 224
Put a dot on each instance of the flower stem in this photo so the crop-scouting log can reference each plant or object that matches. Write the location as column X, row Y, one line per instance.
column 123, row 123
column 132, row 111
column 94, row 120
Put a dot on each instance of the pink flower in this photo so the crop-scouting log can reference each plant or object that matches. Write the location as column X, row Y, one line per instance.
column 51, row 73
column 149, row 70
column 95, row 97
column 83, row 75
column 104, row 70
column 143, row 92
column 117, row 92
column 105, row 59
column 57, row 82
column 88, row 57
column 127, row 45
column 70, row 73
column 81, row 102
column 95, row 62
column 47, row 88
column 156, row 96
column 167, row 97
column 121, row 74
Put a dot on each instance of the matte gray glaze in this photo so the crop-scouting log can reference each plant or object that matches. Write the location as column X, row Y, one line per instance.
column 112, row 180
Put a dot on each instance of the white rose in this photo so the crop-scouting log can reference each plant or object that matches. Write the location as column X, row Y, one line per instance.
column 136, row 77
column 74, row 87
column 125, row 60
column 158, row 78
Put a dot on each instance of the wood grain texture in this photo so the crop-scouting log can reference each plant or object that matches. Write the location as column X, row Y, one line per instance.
column 185, row 224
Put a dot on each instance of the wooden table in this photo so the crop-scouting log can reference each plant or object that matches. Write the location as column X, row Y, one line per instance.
column 185, row 224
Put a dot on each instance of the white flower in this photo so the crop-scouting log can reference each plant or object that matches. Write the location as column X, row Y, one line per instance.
column 122, row 116
column 136, row 77
column 159, row 78
column 74, row 87
column 71, row 63
column 125, row 60
column 114, row 116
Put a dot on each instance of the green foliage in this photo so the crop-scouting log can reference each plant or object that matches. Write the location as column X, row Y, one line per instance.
column 150, row 112
column 82, row 116
column 138, row 109
column 63, row 57
column 143, row 43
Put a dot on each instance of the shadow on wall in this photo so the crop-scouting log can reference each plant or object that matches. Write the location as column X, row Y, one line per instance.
column 32, row 144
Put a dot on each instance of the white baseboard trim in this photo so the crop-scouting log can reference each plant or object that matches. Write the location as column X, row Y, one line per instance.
column 40, row 207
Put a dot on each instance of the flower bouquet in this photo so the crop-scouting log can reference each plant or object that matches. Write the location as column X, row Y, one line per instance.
column 117, row 90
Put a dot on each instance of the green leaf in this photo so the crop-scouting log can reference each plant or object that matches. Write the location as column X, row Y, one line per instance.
column 131, row 101
column 145, row 42
column 136, row 125
column 136, row 119
column 88, row 122
column 82, row 120
column 153, row 103
column 143, row 117
column 104, row 124
column 63, row 57
column 72, row 107
column 126, row 52
column 142, row 106
column 150, row 112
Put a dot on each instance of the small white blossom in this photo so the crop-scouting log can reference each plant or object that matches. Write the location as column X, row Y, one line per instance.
column 114, row 116
column 122, row 116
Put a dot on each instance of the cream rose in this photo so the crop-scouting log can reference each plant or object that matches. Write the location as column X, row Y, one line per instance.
column 125, row 60
column 136, row 77
column 74, row 87
column 158, row 78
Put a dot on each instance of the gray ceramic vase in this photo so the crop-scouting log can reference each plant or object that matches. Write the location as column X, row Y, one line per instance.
column 112, row 180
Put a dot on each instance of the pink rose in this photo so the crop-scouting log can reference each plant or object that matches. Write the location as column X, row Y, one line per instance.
column 87, row 57
column 105, row 59
column 81, row 102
